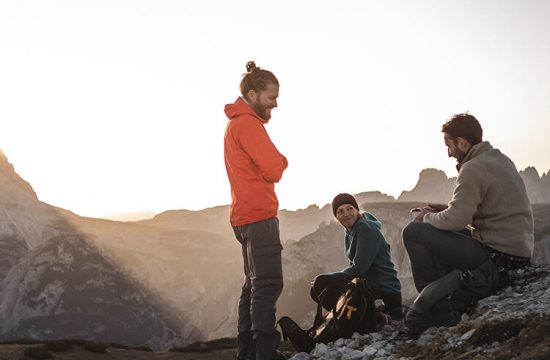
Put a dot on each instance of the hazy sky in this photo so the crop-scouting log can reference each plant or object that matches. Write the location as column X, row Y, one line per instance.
column 115, row 106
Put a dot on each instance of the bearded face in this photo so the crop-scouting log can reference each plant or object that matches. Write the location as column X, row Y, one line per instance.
column 457, row 148
column 262, row 102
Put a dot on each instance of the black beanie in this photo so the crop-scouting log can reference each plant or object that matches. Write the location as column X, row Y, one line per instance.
column 342, row 199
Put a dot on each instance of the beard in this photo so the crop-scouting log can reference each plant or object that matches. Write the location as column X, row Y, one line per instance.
column 261, row 110
column 460, row 155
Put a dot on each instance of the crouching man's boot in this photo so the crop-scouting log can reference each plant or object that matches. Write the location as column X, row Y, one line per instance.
column 419, row 317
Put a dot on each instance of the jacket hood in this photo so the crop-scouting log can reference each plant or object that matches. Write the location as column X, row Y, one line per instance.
column 368, row 217
column 240, row 107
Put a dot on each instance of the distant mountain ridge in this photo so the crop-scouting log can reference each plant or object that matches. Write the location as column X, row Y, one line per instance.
column 173, row 279
column 434, row 186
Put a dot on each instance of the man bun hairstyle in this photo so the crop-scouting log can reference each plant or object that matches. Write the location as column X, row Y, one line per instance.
column 342, row 199
column 465, row 126
column 256, row 79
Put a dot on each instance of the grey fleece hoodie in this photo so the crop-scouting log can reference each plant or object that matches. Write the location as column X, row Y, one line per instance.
column 490, row 196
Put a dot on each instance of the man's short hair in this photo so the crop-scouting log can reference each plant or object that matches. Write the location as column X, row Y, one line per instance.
column 465, row 126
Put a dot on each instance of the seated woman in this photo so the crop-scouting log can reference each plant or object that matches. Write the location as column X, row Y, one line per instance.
column 369, row 256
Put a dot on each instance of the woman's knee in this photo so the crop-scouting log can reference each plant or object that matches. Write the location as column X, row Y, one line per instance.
column 316, row 286
column 328, row 283
column 320, row 283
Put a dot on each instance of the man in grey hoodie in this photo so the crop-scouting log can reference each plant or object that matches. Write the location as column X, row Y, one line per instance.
column 488, row 217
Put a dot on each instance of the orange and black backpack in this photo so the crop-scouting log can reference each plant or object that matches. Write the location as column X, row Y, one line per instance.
column 354, row 311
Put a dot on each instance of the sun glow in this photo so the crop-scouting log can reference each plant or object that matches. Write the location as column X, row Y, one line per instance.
column 111, row 107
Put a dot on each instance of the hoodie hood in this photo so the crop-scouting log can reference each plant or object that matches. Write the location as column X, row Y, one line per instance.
column 239, row 108
column 369, row 218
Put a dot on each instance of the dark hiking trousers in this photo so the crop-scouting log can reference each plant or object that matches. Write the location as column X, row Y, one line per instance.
column 434, row 253
column 257, row 337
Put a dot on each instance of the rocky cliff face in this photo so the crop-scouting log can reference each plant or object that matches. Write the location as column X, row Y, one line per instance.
column 433, row 186
column 68, row 289
column 197, row 273
column 541, row 253
column 24, row 220
column 294, row 225
column 56, row 280
column 538, row 187
column 11, row 182
column 373, row 197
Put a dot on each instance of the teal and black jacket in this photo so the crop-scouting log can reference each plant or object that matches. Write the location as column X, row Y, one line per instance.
column 369, row 255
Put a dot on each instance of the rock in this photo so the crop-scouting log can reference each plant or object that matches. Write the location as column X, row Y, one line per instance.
column 467, row 335
column 319, row 350
column 352, row 354
column 370, row 350
column 356, row 343
column 339, row 342
column 333, row 354
column 300, row 356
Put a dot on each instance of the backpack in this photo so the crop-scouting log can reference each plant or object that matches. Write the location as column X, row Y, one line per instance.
column 354, row 311
column 443, row 301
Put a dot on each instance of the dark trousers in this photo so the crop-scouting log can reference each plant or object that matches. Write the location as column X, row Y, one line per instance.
column 329, row 287
column 434, row 253
column 257, row 337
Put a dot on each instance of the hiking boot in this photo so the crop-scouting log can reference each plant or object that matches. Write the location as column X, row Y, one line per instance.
column 246, row 349
column 278, row 356
column 266, row 344
column 416, row 323
column 299, row 339
column 396, row 313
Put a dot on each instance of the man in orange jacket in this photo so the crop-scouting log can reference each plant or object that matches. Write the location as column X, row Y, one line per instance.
column 253, row 167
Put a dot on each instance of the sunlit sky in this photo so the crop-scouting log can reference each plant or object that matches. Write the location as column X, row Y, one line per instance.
column 117, row 106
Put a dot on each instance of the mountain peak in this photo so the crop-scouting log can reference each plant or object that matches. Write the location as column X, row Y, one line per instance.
column 537, row 186
column 433, row 186
column 431, row 174
column 10, row 180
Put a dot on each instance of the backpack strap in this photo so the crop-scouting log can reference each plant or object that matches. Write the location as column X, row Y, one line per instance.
column 318, row 316
column 329, row 292
column 367, row 309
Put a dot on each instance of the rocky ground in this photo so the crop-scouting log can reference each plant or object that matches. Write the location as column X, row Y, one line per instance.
column 221, row 349
column 512, row 324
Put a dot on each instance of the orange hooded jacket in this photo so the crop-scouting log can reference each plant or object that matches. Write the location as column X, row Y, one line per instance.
column 253, row 165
